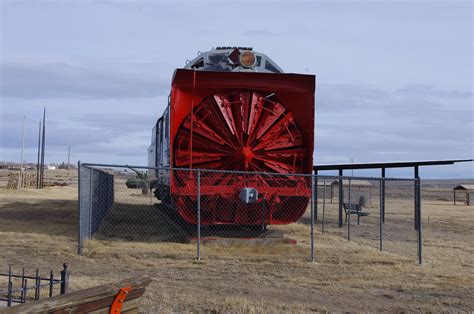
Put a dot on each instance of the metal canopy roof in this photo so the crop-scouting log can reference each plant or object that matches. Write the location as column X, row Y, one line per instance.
column 380, row 165
column 467, row 187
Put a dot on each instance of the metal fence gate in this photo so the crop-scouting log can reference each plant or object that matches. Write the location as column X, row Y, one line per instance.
column 268, row 210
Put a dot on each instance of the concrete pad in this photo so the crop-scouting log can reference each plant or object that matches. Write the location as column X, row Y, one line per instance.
column 243, row 241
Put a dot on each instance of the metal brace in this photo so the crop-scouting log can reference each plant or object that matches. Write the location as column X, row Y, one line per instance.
column 116, row 306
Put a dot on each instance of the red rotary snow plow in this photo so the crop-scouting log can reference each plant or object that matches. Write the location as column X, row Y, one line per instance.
column 244, row 130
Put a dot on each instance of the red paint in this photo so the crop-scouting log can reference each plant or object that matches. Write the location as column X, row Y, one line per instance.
column 225, row 121
column 116, row 306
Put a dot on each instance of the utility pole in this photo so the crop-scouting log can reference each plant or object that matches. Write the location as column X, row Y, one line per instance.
column 20, row 178
column 42, row 149
column 68, row 162
column 38, row 162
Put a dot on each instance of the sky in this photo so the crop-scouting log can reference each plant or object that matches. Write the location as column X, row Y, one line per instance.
column 394, row 78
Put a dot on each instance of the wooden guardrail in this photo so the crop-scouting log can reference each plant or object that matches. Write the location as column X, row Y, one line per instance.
column 117, row 297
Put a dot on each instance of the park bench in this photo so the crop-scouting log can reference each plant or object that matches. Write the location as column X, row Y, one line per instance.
column 354, row 209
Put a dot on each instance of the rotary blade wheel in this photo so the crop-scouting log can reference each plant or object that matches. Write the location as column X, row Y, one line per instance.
column 242, row 131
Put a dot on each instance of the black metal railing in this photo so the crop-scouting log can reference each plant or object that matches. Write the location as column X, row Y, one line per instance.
column 18, row 293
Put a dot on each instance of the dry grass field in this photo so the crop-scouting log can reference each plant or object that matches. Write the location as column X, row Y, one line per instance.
column 38, row 228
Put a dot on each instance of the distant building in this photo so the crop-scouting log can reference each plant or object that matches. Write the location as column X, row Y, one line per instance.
column 64, row 165
column 467, row 190
column 15, row 166
column 51, row 167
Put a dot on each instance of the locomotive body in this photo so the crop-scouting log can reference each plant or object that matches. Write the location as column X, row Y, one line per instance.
column 234, row 114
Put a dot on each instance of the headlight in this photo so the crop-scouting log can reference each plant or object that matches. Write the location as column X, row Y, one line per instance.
column 247, row 59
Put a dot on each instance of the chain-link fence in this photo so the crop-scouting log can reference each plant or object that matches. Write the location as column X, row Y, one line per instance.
column 263, row 215
column 378, row 213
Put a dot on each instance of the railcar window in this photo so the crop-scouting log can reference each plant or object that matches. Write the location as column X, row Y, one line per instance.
column 217, row 57
column 259, row 61
column 217, row 62
column 270, row 67
column 198, row 64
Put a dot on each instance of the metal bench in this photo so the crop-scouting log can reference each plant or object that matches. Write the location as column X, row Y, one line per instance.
column 354, row 209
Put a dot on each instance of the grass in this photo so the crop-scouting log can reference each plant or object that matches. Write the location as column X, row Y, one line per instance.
column 38, row 229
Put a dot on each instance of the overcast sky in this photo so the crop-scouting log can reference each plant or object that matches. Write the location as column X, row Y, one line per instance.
column 394, row 78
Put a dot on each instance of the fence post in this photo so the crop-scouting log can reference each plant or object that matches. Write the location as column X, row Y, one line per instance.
column 10, row 293
column 91, row 207
column 324, row 205
column 199, row 215
column 381, row 188
column 51, row 283
column 37, row 285
column 383, row 193
column 312, row 218
column 79, row 237
column 348, row 213
column 24, row 290
column 418, row 214
column 315, row 191
column 10, row 287
column 64, row 279
column 22, row 293
column 417, row 176
column 341, row 197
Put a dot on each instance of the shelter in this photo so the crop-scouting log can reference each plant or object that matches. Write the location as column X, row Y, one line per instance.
column 467, row 190
column 358, row 188
column 383, row 166
column 324, row 188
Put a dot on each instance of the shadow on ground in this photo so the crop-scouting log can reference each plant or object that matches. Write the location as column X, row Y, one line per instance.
column 50, row 217
column 159, row 223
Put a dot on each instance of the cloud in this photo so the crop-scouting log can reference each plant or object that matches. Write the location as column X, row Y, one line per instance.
column 116, row 122
column 431, row 91
column 117, row 134
column 63, row 80
column 360, row 122
column 410, row 123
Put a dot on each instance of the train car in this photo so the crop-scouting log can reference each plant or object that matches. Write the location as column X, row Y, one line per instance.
column 236, row 115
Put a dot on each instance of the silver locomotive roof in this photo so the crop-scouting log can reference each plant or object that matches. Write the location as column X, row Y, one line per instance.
column 229, row 59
